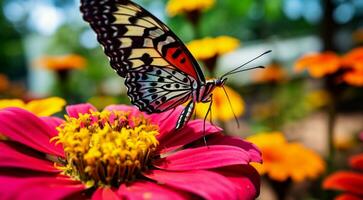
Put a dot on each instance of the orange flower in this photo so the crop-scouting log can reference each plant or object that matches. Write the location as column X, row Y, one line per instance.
column 354, row 59
column 354, row 77
column 272, row 73
column 283, row 160
column 65, row 62
column 319, row 64
column 221, row 109
column 4, row 82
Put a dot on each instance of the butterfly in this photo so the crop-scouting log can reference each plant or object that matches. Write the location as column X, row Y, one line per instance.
column 160, row 73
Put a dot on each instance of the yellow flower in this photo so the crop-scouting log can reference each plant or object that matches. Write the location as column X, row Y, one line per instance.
column 319, row 64
column 207, row 48
column 65, row 62
column 175, row 7
column 42, row 107
column 272, row 73
column 220, row 107
column 283, row 160
column 4, row 82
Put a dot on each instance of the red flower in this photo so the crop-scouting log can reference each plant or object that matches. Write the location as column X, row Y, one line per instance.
column 348, row 181
column 31, row 166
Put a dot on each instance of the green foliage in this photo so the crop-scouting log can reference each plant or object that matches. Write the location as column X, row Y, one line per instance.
column 12, row 58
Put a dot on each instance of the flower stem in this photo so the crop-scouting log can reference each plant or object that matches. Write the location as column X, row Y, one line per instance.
column 281, row 188
column 331, row 125
column 194, row 19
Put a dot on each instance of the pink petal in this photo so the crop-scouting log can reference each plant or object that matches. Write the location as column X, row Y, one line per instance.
column 208, row 185
column 245, row 178
column 75, row 110
column 26, row 128
column 204, row 158
column 219, row 139
column 24, row 188
column 105, row 194
column 167, row 120
column 148, row 190
column 133, row 109
column 53, row 123
column 190, row 133
column 13, row 155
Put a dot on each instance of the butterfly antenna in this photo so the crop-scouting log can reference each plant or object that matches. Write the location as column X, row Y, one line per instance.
column 248, row 62
column 247, row 69
column 230, row 105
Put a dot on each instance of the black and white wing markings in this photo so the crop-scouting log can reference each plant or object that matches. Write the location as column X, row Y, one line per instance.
column 153, row 89
column 130, row 33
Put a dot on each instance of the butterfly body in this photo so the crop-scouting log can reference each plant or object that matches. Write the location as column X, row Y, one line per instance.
column 160, row 73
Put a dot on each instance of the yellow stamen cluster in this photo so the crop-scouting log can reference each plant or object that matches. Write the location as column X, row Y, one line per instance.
column 106, row 148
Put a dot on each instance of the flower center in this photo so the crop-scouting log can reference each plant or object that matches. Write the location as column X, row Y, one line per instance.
column 106, row 148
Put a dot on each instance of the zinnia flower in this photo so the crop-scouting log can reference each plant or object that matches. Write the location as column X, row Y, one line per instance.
column 40, row 107
column 349, row 66
column 60, row 63
column 209, row 49
column 348, row 181
column 283, row 160
column 319, row 64
column 120, row 153
column 175, row 7
column 353, row 61
column 221, row 110
column 273, row 73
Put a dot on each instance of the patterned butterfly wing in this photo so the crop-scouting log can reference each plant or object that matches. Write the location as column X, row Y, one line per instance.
column 144, row 51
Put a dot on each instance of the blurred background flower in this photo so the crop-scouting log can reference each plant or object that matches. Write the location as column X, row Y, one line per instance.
column 60, row 63
column 284, row 160
column 208, row 50
column 350, row 182
column 40, row 107
column 273, row 73
column 319, row 64
column 221, row 110
column 285, row 163
column 175, row 7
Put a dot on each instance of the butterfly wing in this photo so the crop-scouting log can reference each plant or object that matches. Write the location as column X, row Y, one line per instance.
column 156, row 89
column 133, row 38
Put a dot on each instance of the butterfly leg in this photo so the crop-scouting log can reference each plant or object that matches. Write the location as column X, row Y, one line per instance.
column 210, row 101
column 185, row 115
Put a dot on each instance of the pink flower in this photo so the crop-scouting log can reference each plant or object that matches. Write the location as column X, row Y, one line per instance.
column 38, row 160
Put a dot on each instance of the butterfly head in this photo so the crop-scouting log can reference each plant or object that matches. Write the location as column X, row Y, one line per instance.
column 220, row 82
